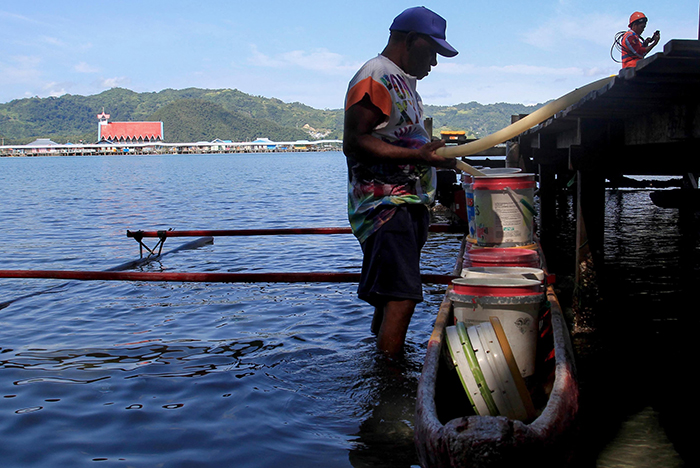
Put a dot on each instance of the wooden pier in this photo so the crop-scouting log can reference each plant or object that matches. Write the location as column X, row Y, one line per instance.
column 644, row 122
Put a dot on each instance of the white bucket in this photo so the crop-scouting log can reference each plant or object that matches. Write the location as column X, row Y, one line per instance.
column 500, row 170
column 479, row 359
column 503, row 272
column 513, row 386
column 503, row 209
column 493, row 381
column 515, row 302
column 462, row 354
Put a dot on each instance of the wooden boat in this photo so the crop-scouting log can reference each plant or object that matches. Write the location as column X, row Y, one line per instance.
column 449, row 434
column 676, row 198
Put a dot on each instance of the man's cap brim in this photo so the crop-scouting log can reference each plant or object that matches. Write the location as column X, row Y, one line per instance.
column 443, row 48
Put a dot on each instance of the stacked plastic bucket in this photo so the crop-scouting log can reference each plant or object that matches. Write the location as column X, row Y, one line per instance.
column 499, row 207
column 498, row 300
column 488, row 371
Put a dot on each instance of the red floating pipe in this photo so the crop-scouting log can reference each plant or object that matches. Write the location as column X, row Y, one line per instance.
column 204, row 277
column 268, row 232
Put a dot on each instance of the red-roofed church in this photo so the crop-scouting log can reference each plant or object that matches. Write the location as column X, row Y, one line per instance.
column 128, row 132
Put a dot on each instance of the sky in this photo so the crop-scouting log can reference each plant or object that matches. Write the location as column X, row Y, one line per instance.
column 509, row 51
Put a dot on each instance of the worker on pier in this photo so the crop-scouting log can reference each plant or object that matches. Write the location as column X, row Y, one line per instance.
column 633, row 47
column 391, row 170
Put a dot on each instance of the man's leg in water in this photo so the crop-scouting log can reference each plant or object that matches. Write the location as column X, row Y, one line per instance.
column 394, row 326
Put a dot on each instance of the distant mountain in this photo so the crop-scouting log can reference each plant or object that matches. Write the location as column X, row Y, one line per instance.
column 199, row 120
column 195, row 114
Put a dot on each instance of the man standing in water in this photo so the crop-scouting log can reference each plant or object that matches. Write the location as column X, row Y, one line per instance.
column 391, row 170
column 633, row 47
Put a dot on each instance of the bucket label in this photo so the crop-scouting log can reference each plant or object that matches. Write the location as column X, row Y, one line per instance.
column 470, row 214
column 501, row 219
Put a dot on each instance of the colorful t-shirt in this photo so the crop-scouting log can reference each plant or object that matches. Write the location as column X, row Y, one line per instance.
column 387, row 185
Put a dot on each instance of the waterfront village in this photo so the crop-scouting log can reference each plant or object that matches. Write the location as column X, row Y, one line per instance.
column 148, row 138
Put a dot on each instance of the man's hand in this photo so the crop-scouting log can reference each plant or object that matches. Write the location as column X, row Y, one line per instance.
column 428, row 154
column 653, row 40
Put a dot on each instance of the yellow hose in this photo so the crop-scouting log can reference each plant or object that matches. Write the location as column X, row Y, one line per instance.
column 515, row 129
column 464, row 167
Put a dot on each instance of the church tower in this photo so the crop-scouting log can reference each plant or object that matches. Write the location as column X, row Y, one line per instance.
column 104, row 120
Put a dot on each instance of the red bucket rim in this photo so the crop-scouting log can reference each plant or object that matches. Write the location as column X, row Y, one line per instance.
column 496, row 287
column 500, row 255
column 509, row 175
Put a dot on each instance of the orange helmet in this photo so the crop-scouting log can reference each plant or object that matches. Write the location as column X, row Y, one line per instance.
column 636, row 16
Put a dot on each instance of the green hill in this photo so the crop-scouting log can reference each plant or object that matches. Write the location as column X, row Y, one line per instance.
column 195, row 114
column 198, row 120
column 478, row 120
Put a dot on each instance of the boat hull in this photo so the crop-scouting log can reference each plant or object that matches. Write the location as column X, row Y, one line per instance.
column 490, row 441
column 677, row 198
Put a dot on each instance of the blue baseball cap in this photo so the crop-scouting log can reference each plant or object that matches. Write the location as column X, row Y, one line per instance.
column 424, row 21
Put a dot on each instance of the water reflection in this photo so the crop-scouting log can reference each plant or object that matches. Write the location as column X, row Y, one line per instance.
column 188, row 360
column 636, row 397
column 385, row 436
column 386, row 388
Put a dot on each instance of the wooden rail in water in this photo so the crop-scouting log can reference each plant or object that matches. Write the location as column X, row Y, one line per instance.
column 269, row 232
column 302, row 277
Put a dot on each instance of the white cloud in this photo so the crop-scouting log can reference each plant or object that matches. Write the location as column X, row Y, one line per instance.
column 570, row 29
column 53, row 41
column 14, row 16
column 536, row 70
column 54, row 89
column 262, row 60
column 83, row 67
column 19, row 69
column 469, row 69
column 452, row 68
column 320, row 60
column 116, row 82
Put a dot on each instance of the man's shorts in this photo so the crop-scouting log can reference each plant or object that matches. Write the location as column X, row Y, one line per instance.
column 391, row 264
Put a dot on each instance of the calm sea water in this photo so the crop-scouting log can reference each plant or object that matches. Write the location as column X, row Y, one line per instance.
column 255, row 375
column 156, row 374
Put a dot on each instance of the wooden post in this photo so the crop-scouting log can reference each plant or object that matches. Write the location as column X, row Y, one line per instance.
column 590, row 217
column 513, row 154
column 547, row 196
column 599, row 142
column 513, row 157
column 428, row 123
column 543, row 158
